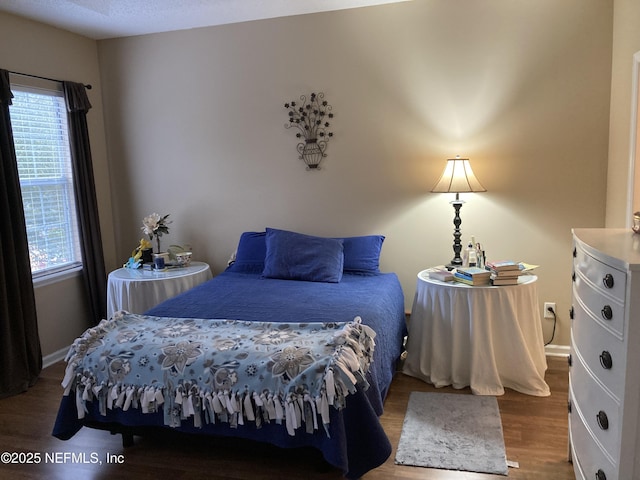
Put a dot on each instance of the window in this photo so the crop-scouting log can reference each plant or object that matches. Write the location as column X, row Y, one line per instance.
column 40, row 134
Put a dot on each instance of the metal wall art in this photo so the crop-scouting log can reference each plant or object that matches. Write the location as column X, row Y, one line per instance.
column 310, row 116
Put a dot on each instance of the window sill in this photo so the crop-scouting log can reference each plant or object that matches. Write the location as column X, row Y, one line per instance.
column 56, row 277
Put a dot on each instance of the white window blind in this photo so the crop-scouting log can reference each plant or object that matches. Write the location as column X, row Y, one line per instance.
column 40, row 133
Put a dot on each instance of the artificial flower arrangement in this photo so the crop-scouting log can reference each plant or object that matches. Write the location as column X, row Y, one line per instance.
column 154, row 225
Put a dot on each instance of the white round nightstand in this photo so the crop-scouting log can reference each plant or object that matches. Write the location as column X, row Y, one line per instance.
column 137, row 290
column 486, row 337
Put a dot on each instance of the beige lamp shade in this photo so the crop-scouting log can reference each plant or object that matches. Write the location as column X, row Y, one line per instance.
column 458, row 177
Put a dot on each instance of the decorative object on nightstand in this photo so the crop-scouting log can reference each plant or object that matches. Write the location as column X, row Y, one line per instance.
column 458, row 177
column 311, row 119
column 441, row 274
column 155, row 225
column 180, row 254
column 141, row 254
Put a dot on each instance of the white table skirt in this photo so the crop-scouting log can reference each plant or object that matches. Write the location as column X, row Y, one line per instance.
column 484, row 337
column 137, row 290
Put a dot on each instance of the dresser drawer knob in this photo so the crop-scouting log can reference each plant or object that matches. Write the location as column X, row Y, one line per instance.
column 603, row 420
column 605, row 360
column 575, row 252
column 607, row 313
column 608, row 280
column 570, row 360
column 600, row 475
column 573, row 277
column 571, row 312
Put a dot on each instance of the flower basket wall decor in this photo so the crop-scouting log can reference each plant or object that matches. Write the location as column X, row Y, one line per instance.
column 311, row 117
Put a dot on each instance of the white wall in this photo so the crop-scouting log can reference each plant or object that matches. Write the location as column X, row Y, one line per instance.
column 626, row 42
column 194, row 123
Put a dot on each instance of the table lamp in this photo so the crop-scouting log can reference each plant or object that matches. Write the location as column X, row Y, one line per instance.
column 457, row 177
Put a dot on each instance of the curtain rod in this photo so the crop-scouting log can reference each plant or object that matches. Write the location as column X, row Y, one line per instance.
column 88, row 86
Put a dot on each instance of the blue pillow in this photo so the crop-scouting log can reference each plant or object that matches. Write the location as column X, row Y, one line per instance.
column 250, row 255
column 362, row 254
column 295, row 256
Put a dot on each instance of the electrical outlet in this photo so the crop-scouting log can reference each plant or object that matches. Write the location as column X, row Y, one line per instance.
column 547, row 306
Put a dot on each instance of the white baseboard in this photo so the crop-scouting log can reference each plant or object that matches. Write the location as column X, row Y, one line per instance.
column 557, row 350
column 54, row 357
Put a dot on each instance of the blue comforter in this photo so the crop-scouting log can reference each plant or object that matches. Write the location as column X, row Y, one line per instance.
column 356, row 442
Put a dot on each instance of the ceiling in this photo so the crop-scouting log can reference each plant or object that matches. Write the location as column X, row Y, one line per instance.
column 100, row 19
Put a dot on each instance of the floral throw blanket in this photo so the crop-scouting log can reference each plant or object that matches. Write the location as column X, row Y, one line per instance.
column 220, row 370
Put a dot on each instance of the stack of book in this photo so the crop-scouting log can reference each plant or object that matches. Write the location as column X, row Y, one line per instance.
column 505, row 272
column 472, row 276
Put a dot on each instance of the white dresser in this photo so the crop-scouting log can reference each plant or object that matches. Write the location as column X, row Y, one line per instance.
column 604, row 374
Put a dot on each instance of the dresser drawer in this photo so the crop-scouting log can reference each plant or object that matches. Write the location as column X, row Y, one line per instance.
column 604, row 308
column 600, row 412
column 603, row 353
column 603, row 277
column 586, row 452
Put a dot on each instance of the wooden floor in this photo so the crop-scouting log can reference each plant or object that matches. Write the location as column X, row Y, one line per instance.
column 535, row 432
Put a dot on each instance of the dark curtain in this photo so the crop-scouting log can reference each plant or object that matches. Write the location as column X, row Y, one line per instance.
column 20, row 354
column 84, row 184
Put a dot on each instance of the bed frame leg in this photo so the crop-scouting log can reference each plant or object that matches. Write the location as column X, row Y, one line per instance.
column 127, row 440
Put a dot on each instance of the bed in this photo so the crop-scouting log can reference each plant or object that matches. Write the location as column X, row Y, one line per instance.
column 294, row 344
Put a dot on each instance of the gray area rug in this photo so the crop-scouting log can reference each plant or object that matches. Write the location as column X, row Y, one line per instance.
column 453, row 432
